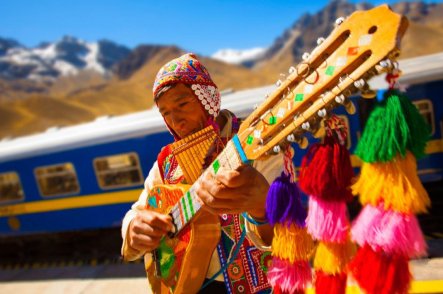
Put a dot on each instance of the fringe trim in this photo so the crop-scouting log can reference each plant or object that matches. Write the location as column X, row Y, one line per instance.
column 396, row 184
column 332, row 258
column 289, row 277
column 328, row 220
column 291, row 243
column 390, row 231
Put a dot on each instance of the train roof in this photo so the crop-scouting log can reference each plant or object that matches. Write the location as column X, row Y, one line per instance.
column 423, row 69
column 114, row 128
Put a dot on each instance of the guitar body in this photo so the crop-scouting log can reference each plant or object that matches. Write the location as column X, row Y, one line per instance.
column 184, row 260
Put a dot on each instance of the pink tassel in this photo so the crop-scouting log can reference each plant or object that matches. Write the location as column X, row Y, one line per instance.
column 289, row 277
column 327, row 220
column 390, row 231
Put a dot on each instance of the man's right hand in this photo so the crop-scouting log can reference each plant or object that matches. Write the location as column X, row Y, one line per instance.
column 147, row 229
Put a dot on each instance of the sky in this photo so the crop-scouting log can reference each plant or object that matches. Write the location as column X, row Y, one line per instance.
column 200, row 26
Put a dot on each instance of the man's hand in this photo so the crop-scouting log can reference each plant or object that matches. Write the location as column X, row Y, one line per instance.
column 234, row 192
column 147, row 229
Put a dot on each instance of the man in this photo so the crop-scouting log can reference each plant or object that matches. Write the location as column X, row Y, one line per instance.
column 189, row 101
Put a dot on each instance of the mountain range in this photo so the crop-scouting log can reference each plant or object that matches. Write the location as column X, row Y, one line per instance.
column 71, row 81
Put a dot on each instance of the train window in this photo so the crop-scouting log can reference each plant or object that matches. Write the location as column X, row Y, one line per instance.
column 57, row 180
column 10, row 187
column 348, row 130
column 427, row 111
column 117, row 171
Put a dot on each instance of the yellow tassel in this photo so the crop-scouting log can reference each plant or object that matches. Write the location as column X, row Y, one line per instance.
column 291, row 243
column 395, row 183
column 332, row 258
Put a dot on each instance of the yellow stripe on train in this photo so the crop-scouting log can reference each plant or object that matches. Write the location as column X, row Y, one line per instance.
column 128, row 196
column 431, row 286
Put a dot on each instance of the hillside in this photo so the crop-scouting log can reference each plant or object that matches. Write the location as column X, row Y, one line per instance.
column 424, row 35
column 80, row 81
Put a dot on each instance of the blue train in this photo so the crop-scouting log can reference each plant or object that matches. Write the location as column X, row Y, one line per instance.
column 85, row 177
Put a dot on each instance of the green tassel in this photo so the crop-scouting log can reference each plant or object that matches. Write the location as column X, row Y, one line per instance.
column 394, row 127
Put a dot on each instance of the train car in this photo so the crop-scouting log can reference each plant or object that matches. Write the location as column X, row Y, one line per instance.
column 422, row 80
column 85, row 177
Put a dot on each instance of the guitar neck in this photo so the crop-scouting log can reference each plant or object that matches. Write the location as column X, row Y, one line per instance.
column 231, row 158
column 354, row 52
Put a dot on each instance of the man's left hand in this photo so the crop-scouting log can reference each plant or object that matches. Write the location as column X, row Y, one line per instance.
column 234, row 192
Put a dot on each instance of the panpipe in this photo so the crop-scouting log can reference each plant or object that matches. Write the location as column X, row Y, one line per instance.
column 191, row 152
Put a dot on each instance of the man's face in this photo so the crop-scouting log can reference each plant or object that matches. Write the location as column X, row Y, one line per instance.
column 182, row 111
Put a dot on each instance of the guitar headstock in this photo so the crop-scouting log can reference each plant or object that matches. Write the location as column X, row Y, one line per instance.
column 360, row 47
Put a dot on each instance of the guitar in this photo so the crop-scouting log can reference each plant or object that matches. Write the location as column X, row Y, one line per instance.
column 363, row 45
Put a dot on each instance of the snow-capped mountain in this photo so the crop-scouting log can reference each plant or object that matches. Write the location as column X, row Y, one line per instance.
column 244, row 57
column 67, row 56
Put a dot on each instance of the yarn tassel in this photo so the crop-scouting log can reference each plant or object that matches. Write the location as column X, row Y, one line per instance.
column 291, row 243
column 390, row 231
column 395, row 135
column 330, row 284
column 330, row 265
column 326, row 174
column 332, row 258
column 291, row 249
column 326, row 171
column 380, row 273
column 394, row 127
column 289, row 277
column 277, row 290
column 283, row 203
column 292, row 246
column 327, row 220
column 395, row 183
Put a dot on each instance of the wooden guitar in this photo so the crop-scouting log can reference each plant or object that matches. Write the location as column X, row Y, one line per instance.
column 361, row 46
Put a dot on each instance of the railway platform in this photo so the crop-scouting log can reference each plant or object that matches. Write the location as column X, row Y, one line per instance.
column 118, row 277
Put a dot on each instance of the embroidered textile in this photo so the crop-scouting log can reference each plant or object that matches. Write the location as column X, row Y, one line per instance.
column 247, row 273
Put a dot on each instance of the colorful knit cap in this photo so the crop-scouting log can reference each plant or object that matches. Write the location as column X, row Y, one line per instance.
column 187, row 69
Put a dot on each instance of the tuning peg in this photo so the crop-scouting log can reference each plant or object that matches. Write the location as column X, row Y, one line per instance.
column 340, row 99
column 320, row 132
column 322, row 112
column 339, row 21
column 300, row 140
column 303, row 142
column 350, row 107
column 383, row 66
column 317, row 129
column 291, row 70
column 386, row 63
column 359, row 84
column 291, row 138
column 305, row 56
column 368, row 94
column 320, row 40
column 276, row 149
column 278, row 83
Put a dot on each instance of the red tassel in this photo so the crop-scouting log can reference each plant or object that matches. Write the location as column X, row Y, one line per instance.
column 330, row 284
column 379, row 273
column 326, row 171
column 278, row 290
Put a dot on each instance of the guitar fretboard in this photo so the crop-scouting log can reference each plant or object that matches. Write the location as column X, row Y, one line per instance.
column 231, row 158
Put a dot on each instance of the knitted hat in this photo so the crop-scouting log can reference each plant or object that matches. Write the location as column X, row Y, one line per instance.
column 187, row 69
